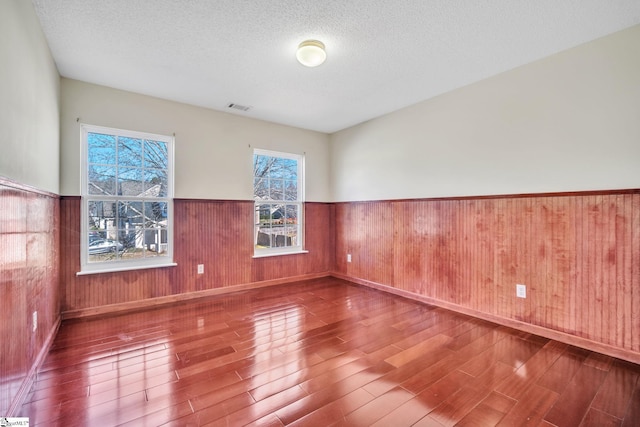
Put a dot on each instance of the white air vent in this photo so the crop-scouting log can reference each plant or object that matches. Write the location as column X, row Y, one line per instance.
column 238, row 107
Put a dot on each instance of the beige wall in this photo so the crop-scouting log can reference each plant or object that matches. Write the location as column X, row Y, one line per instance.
column 213, row 153
column 565, row 123
column 29, row 100
column 568, row 122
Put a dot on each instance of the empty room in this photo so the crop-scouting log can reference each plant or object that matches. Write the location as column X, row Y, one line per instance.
column 318, row 213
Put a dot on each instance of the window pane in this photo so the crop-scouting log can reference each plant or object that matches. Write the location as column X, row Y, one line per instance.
column 131, row 239
column 155, row 234
column 130, row 182
column 130, row 227
column 155, row 154
column 276, row 189
column 129, row 215
column 102, row 237
column 291, row 212
column 261, row 165
column 260, row 188
column 129, row 152
column 263, row 240
column 155, row 242
column 292, row 235
column 101, row 250
column 263, row 225
column 101, row 148
column 277, row 167
column 102, row 180
column 290, row 190
column 155, row 183
column 290, row 169
column 264, row 214
column 155, row 213
column 291, row 222
column 267, row 219
column 278, row 215
column 101, row 220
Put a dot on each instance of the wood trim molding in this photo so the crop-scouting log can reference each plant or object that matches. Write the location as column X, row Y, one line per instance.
column 6, row 182
column 159, row 301
column 503, row 196
column 609, row 350
column 28, row 381
column 180, row 199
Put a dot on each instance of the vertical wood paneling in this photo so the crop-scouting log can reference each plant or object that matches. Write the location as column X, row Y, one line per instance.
column 366, row 231
column 29, row 282
column 634, row 280
column 579, row 293
column 578, row 255
column 215, row 233
column 318, row 241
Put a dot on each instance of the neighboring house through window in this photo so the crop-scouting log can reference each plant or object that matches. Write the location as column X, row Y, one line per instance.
column 127, row 191
column 278, row 193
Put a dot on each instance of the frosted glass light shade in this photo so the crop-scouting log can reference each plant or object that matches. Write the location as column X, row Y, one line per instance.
column 311, row 53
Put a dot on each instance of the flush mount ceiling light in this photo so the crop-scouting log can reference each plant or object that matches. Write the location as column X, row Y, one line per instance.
column 311, row 53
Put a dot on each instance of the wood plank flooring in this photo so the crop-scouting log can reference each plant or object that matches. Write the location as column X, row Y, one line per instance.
column 320, row 353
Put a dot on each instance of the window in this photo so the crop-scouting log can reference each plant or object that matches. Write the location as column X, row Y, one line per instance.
column 278, row 194
column 127, row 190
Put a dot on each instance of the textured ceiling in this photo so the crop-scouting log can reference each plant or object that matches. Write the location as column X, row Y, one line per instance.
column 382, row 54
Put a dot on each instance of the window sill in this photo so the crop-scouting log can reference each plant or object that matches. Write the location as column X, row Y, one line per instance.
column 270, row 254
column 124, row 268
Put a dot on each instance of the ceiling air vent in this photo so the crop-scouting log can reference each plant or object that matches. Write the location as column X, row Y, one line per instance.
column 238, row 107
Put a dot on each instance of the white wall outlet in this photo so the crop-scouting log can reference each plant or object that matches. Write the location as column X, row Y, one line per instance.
column 200, row 268
column 348, row 257
column 521, row 291
column 34, row 320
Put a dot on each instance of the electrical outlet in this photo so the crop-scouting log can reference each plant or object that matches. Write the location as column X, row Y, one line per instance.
column 34, row 319
column 521, row 291
column 348, row 257
column 200, row 268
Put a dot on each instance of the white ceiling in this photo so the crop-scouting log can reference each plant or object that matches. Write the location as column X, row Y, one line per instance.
column 382, row 54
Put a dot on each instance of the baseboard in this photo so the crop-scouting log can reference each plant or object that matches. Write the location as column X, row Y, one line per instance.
column 563, row 337
column 170, row 299
column 28, row 381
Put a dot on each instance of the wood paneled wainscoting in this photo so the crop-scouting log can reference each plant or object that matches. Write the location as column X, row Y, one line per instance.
column 29, row 283
column 578, row 255
column 215, row 233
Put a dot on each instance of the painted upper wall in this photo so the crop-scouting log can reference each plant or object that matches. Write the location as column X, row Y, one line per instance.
column 568, row 122
column 213, row 150
column 29, row 100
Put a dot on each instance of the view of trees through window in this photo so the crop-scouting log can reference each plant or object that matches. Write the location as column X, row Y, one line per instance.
column 127, row 197
column 278, row 200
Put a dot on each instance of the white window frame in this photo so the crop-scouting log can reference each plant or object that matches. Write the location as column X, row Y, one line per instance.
column 287, row 250
column 87, row 267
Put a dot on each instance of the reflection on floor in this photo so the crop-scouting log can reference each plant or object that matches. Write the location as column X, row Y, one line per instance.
column 322, row 352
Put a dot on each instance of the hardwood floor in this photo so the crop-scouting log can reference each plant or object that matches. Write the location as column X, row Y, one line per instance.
column 319, row 353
